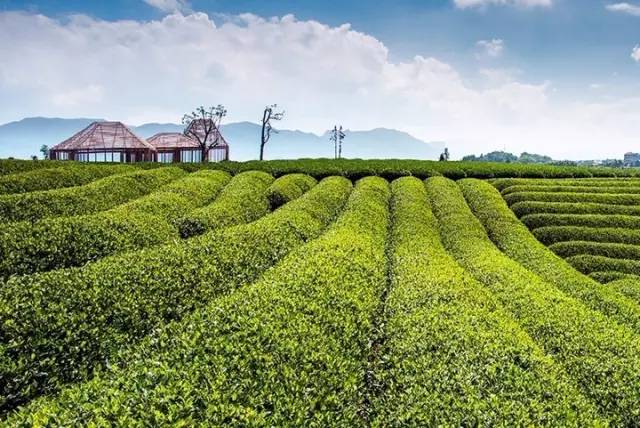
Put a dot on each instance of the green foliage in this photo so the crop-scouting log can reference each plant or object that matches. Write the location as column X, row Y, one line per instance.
column 288, row 188
column 14, row 166
column 72, row 241
column 288, row 350
column 628, row 285
column 606, row 277
column 517, row 242
column 599, row 198
column 612, row 188
column 62, row 176
column 522, row 209
column 590, row 347
column 453, row 357
column 607, row 249
column 587, row 263
column 242, row 201
column 56, row 327
column 534, row 221
column 96, row 196
column 504, row 183
column 553, row 234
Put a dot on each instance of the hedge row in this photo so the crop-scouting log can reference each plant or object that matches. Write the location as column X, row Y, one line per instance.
column 242, row 201
column 453, row 356
column 53, row 178
column 522, row 209
column 598, row 198
column 57, row 327
column 504, row 183
column 289, row 350
column 587, row 263
column 613, row 189
column 553, row 234
column 13, row 166
column 592, row 348
column 606, row 277
column 59, row 242
column 534, row 221
column 517, row 242
column 629, row 286
column 607, row 249
column 288, row 188
column 99, row 195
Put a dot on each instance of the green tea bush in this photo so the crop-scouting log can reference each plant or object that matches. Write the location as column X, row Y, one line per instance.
column 59, row 242
column 99, row 195
column 288, row 188
column 53, row 178
column 522, row 209
column 517, row 242
column 587, row 263
column 607, row 249
column 606, row 277
column 534, row 221
column 599, row 198
column 13, row 166
column 613, row 189
column 504, row 183
column 57, row 327
column 446, row 333
column 288, row 350
column 591, row 347
column 553, row 234
column 242, row 201
column 629, row 286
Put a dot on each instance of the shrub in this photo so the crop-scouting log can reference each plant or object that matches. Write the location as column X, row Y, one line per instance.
column 62, row 176
column 522, row 209
column 629, row 286
column 553, row 234
column 587, row 263
column 534, row 221
column 515, row 240
column 591, row 348
column 504, row 183
column 99, row 195
column 289, row 350
column 607, row 249
column 288, row 188
column 599, row 198
column 609, row 276
column 14, row 166
column 446, row 333
column 242, row 201
column 73, row 320
column 72, row 241
column 612, row 188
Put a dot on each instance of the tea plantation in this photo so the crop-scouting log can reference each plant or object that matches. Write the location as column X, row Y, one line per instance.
column 346, row 293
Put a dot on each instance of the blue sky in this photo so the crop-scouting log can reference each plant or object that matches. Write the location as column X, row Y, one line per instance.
column 521, row 64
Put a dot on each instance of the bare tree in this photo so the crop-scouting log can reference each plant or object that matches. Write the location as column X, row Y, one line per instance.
column 269, row 114
column 203, row 125
column 337, row 136
column 444, row 156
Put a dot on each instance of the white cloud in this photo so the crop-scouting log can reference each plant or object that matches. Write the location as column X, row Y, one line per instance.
column 630, row 9
column 157, row 70
column 635, row 54
column 169, row 6
column 491, row 48
column 464, row 4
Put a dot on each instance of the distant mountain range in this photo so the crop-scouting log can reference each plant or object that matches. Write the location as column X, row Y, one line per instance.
column 23, row 138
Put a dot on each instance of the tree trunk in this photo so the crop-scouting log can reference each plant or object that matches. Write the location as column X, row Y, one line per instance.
column 204, row 152
column 263, row 140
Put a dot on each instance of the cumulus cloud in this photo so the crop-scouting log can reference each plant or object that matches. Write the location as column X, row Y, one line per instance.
column 635, row 54
column 464, row 4
column 169, row 6
column 157, row 70
column 627, row 8
column 491, row 48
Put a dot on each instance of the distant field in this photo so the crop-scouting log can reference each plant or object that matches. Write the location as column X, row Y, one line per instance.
column 319, row 293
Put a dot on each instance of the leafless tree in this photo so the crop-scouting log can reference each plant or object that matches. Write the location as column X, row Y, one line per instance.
column 269, row 114
column 337, row 136
column 203, row 125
